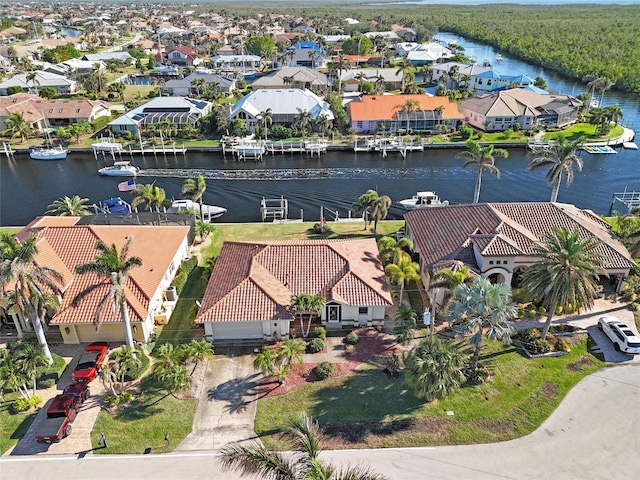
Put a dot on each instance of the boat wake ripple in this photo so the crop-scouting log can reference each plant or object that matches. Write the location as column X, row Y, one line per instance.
column 291, row 173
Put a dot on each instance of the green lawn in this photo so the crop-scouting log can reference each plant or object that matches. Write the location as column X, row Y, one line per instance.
column 10, row 230
column 587, row 131
column 13, row 426
column 142, row 425
column 366, row 409
column 294, row 231
column 181, row 328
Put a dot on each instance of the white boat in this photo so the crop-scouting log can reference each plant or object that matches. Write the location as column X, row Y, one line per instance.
column 423, row 199
column 48, row 153
column 498, row 58
column 120, row 169
column 209, row 212
column 487, row 63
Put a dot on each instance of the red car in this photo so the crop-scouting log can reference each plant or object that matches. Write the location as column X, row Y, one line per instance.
column 89, row 362
column 60, row 414
column 78, row 390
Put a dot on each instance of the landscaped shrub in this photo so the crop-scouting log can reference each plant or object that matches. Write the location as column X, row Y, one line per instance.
column 125, row 397
column 316, row 345
column 539, row 346
column 22, row 404
column 522, row 295
column 111, row 399
column 183, row 273
column 521, row 313
column 320, row 228
column 561, row 345
column 634, row 307
column 476, row 376
column 324, row 370
column 136, row 371
column 48, row 375
column 528, row 335
column 542, row 310
column 320, row 332
column 559, row 310
column 351, row 338
column 533, row 312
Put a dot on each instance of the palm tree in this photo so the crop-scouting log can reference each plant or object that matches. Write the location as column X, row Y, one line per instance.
column 434, row 369
column 403, row 270
column 361, row 77
column 112, row 267
column 265, row 360
column 405, row 325
column 372, row 207
column 450, row 279
column 484, row 159
column 405, row 68
column 566, row 273
column 479, row 306
column 388, row 248
column 124, row 358
column 265, row 121
column 342, row 64
column 176, row 379
column 17, row 126
column 304, row 464
column 306, row 303
column 32, row 283
column 302, row 121
column 151, row 196
column 194, row 188
column 69, row 206
column 11, row 377
column 198, row 351
column 561, row 156
column 166, row 356
column 410, row 106
column 614, row 112
column 323, row 123
column 379, row 84
column 379, row 210
column 27, row 359
column 32, row 77
column 291, row 351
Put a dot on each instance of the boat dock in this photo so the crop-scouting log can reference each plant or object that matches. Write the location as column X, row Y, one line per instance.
column 631, row 199
column 387, row 145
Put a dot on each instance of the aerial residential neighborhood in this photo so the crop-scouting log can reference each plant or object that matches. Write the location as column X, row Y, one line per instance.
column 234, row 236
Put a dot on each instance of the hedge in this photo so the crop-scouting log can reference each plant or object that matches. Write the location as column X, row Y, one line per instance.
column 183, row 273
column 48, row 376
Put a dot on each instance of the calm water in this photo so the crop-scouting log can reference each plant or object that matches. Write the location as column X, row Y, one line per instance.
column 334, row 180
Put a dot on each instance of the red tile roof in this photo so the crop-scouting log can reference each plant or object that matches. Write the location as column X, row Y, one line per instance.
column 63, row 247
column 385, row 107
column 504, row 229
column 255, row 280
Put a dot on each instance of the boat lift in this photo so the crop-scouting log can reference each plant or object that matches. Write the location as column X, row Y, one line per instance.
column 631, row 199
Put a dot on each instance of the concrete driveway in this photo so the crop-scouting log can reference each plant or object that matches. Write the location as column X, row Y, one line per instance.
column 227, row 407
column 588, row 321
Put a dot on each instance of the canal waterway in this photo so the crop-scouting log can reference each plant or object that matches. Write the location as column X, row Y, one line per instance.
column 335, row 179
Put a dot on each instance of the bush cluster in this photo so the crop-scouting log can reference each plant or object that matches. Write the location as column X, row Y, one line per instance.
column 531, row 338
column 320, row 332
column 324, row 370
column 351, row 338
column 22, row 404
column 183, row 273
column 316, row 345
column 48, row 375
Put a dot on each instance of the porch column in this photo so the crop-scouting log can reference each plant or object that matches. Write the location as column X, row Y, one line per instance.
column 16, row 322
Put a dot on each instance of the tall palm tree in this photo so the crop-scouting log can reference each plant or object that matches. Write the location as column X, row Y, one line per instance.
column 125, row 358
column 265, row 121
column 194, row 188
column 379, row 210
column 406, row 324
column 69, row 206
column 32, row 283
column 302, row 121
column 388, row 248
column 265, row 360
column 483, row 158
column 17, row 126
column 403, row 270
column 373, row 207
column 304, row 464
column 341, row 64
column 291, row 351
column 32, row 77
column 561, row 156
column 615, row 113
column 405, row 68
column 566, row 273
column 410, row 106
column 198, row 351
column 479, row 306
column 323, row 123
column 306, row 304
column 112, row 267
column 449, row 279
column 151, row 196
column 434, row 369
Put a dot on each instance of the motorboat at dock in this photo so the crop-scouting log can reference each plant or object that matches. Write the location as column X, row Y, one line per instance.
column 209, row 212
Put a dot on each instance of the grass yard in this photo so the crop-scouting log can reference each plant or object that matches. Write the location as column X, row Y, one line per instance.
column 587, row 131
column 142, row 425
column 294, row 231
column 13, row 426
column 366, row 409
column 181, row 328
column 10, row 230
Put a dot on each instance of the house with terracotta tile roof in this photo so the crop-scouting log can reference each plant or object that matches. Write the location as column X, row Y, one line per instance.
column 252, row 283
column 292, row 77
column 181, row 56
column 369, row 113
column 63, row 244
column 496, row 240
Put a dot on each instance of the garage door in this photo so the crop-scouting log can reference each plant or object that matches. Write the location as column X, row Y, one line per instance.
column 237, row 330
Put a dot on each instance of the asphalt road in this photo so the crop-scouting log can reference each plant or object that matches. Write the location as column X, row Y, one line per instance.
column 594, row 434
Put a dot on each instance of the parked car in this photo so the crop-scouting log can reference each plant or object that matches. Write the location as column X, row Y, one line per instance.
column 623, row 338
column 61, row 413
column 90, row 362
column 79, row 389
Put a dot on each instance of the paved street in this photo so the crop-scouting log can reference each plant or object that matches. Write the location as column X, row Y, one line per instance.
column 592, row 435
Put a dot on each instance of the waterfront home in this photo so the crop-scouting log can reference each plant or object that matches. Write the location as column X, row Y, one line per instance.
column 179, row 110
column 428, row 53
column 499, row 111
column 372, row 113
column 182, row 56
column 306, row 54
column 292, row 77
column 285, row 105
column 191, row 84
column 237, row 62
column 106, row 56
column 464, row 69
column 491, row 81
column 62, row 84
column 390, row 76
column 252, row 284
column 496, row 240
column 63, row 244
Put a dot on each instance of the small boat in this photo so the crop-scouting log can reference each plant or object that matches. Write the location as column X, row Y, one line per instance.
column 422, row 199
column 120, row 169
column 209, row 212
column 498, row 58
column 487, row 63
column 113, row 205
column 48, row 153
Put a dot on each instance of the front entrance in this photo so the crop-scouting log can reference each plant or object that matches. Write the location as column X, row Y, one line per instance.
column 334, row 313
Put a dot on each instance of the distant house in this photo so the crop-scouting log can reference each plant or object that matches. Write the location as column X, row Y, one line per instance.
column 440, row 69
column 21, row 103
column 285, row 105
column 182, row 56
column 106, row 56
column 428, row 53
column 491, row 81
column 237, row 62
column 370, row 113
column 185, row 86
column 252, row 283
column 392, row 79
column 496, row 240
column 63, row 244
column 61, row 112
column 306, row 54
column 499, row 111
column 179, row 110
column 292, row 77
column 42, row 79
